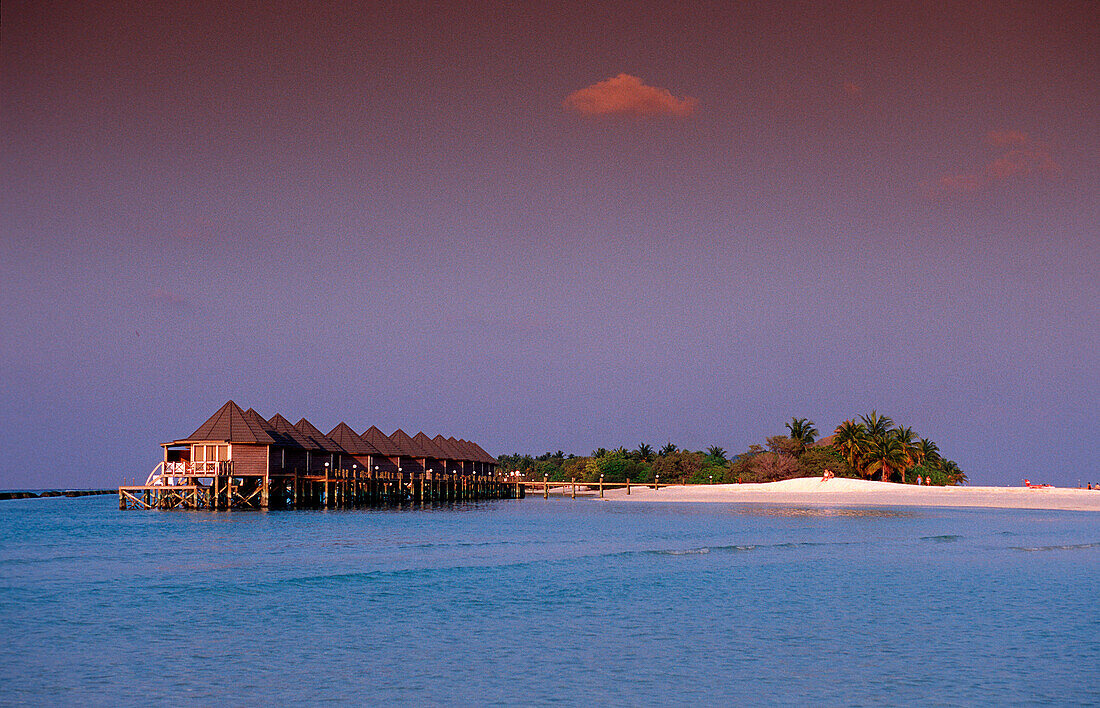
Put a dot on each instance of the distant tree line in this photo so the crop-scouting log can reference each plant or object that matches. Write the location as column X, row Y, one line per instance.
column 872, row 448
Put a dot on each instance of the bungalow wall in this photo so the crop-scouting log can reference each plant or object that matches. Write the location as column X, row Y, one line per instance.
column 364, row 461
column 249, row 460
column 317, row 460
column 385, row 465
column 206, row 456
column 287, row 459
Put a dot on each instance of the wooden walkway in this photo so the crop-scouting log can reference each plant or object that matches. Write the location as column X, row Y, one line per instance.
column 345, row 489
column 570, row 487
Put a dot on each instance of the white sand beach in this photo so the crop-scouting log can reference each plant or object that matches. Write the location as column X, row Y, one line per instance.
column 857, row 492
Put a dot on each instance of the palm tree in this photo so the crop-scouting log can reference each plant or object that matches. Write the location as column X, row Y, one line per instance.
column 851, row 440
column 620, row 452
column 644, row 452
column 718, row 452
column 885, row 455
column 599, row 452
column 907, row 438
column 802, row 430
column 954, row 474
column 668, row 450
column 877, row 425
column 927, row 452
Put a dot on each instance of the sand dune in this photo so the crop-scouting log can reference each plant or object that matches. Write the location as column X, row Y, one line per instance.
column 856, row 492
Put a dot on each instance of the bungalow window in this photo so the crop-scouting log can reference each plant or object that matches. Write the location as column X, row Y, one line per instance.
column 223, row 453
column 199, row 457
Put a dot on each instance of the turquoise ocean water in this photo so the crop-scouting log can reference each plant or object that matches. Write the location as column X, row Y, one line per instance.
column 536, row 602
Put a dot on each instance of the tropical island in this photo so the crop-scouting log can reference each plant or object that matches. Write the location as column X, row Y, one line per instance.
column 874, row 447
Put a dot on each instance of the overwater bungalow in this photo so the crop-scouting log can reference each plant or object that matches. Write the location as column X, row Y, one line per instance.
column 390, row 460
column 239, row 459
column 413, row 456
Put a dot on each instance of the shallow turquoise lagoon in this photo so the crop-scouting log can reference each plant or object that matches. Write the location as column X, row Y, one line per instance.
column 537, row 602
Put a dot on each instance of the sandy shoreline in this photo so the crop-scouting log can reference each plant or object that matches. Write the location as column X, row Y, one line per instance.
column 857, row 492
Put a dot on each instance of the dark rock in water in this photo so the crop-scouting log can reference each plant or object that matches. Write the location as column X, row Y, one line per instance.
column 56, row 493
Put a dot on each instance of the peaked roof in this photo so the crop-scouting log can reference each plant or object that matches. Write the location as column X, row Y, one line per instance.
column 474, row 451
column 256, row 419
column 231, row 424
column 479, row 450
column 323, row 442
column 348, row 439
column 430, row 447
column 383, row 444
column 458, row 447
column 443, row 443
column 471, row 454
column 291, row 435
column 407, row 445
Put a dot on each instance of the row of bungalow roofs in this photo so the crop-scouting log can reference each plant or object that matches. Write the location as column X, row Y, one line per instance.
column 231, row 424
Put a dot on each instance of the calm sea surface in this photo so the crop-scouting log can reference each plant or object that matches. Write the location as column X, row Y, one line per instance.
column 560, row 601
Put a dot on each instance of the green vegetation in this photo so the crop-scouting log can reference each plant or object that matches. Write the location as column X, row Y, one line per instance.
column 873, row 448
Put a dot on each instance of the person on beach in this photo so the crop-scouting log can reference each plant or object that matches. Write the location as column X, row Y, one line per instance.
column 827, row 476
column 919, row 480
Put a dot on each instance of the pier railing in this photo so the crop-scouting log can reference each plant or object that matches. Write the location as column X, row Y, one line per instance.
column 572, row 485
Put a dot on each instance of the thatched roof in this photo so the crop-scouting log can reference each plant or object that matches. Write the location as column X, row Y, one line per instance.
column 320, row 439
column 429, row 446
column 348, row 439
column 453, row 453
column 291, row 435
column 230, row 424
column 383, row 444
column 407, row 445
column 233, row 425
column 480, row 452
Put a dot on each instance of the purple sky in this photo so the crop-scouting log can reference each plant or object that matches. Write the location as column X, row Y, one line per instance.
column 550, row 227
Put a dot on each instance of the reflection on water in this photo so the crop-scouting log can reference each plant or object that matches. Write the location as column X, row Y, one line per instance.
column 787, row 511
column 1066, row 547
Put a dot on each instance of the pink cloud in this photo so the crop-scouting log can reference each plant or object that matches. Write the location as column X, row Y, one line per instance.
column 626, row 94
column 962, row 183
column 161, row 296
column 852, row 89
column 1006, row 138
column 1016, row 155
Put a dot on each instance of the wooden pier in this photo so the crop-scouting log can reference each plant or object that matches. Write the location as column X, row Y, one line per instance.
column 571, row 486
column 342, row 489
